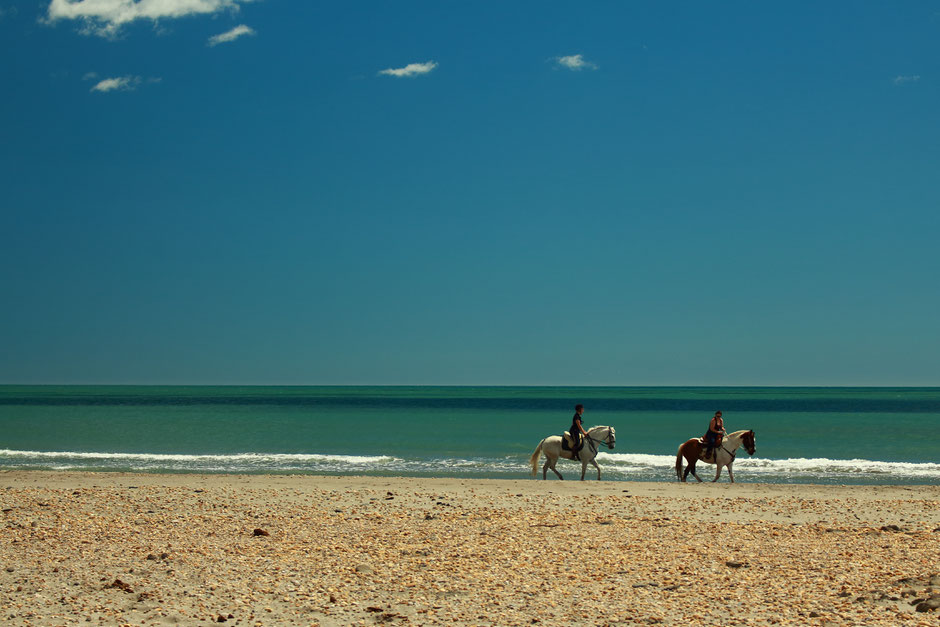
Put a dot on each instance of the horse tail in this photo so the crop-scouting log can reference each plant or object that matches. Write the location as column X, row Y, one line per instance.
column 679, row 462
column 534, row 460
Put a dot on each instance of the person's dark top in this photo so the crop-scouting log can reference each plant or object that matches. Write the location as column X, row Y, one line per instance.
column 575, row 431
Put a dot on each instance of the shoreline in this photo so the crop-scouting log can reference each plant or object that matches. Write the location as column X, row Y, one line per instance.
column 160, row 549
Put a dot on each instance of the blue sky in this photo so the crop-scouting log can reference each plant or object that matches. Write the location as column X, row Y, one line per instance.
column 644, row 193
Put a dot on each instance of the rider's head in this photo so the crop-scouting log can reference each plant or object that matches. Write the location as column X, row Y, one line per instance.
column 579, row 408
column 718, row 414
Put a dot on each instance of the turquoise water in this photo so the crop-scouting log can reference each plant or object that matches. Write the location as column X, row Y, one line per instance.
column 809, row 435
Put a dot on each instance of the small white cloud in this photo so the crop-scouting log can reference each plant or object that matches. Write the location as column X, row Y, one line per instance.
column 121, row 83
column 412, row 69
column 903, row 80
column 90, row 76
column 231, row 35
column 106, row 17
column 575, row 62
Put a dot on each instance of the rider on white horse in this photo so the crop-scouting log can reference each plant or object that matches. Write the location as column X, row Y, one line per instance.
column 576, row 431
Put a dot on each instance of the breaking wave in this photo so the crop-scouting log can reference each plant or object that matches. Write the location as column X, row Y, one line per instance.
column 616, row 466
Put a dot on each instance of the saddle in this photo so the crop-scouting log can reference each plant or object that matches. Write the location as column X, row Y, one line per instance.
column 708, row 453
column 567, row 443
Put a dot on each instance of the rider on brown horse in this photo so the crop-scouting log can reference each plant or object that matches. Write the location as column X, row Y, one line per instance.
column 716, row 431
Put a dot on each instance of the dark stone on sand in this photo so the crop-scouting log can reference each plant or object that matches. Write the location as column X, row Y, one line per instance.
column 151, row 557
column 890, row 528
column 120, row 585
column 815, row 615
column 734, row 564
column 260, row 532
column 930, row 605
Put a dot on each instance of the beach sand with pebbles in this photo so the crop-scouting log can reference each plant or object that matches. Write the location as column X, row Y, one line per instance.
column 114, row 549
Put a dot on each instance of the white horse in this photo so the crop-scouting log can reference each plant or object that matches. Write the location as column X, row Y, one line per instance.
column 694, row 450
column 551, row 446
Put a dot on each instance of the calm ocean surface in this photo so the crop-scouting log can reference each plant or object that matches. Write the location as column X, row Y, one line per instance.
column 804, row 435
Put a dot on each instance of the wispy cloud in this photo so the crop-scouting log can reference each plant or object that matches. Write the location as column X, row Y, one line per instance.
column 575, row 62
column 231, row 35
column 106, row 17
column 904, row 80
column 412, row 69
column 121, row 83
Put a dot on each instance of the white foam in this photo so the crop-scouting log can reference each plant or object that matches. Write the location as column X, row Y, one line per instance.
column 251, row 458
column 625, row 465
column 791, row 466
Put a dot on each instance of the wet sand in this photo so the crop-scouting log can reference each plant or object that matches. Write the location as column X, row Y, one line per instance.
column 115, row 549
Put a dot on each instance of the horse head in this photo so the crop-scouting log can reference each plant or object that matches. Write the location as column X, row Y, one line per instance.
column 748, row 441
column 611, row 438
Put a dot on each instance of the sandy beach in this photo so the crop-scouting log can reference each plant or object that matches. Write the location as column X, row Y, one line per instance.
column 116, row 549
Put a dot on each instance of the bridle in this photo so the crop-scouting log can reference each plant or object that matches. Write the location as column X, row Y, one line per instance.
column 610, row 440
column 734, row 453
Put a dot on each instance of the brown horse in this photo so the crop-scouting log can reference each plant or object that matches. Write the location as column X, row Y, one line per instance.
column 723, row 455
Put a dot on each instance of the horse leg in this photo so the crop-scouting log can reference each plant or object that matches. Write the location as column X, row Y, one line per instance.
column 730, row 474
column 550, row 463
column 691, row 469
column 717, row 472
column 583, row 468
column 594, row 463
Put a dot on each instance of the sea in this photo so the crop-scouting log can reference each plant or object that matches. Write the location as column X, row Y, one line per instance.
column 803, row 435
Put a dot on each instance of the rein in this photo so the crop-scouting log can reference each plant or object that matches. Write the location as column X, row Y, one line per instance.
column 595, row 441
column 733, row 453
